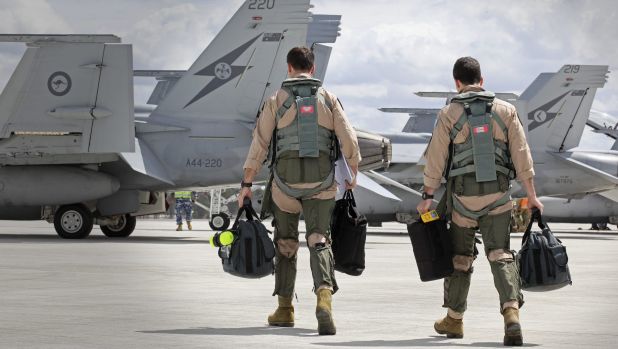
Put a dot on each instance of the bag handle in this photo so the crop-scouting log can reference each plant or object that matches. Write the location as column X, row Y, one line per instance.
column 536, row 215
column 349, row 195
column 249, row 211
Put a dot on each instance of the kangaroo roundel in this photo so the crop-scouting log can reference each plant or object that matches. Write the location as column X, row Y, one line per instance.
column 59, row 83
column 223, row 71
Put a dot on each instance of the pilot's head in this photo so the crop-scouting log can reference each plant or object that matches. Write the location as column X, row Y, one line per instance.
column 300, row 60
column 467, row 71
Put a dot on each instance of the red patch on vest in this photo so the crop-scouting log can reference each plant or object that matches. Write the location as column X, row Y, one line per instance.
column 481, row 129
column 306, row 109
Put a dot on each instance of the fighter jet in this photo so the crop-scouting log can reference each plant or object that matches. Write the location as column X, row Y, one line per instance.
column 599, row 208
column 554, row 110
column 73, row 152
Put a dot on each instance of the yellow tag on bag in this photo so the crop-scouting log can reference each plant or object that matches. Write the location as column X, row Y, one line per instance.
column 430, row 216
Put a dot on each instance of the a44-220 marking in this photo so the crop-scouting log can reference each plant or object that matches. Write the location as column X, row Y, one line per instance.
column 204, row 163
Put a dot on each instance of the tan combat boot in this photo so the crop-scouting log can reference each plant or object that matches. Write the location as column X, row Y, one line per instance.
column 324, row 313
column 452, row 328
column 189, row 226
column 179, row 227
column 284, row 314
column 512, row 328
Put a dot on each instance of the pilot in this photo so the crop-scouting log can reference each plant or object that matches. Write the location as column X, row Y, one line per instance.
column 184, row 206
column 301, row 129
column 479, row 146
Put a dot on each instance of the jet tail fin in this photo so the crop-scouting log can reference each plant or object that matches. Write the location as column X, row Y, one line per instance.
column 556, row 106
column 323, row 29
column 422, row 120
column 508, row 96
column 166, row 79
column 243, row 64
column 69, row 94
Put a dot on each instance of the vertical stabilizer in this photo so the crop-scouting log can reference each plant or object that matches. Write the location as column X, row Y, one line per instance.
column 323, row 29
column 556, row 106
column 70, row 94
column 244, row 63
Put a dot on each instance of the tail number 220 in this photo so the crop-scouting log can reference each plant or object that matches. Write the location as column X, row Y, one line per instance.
column 261, row 4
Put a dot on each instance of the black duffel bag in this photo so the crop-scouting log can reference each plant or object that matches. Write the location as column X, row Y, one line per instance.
column 432, row 249
column 348, row 234
column 542, row 259
column 252, row 253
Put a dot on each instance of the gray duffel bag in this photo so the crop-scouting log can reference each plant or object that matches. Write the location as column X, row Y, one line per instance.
column 543, row 260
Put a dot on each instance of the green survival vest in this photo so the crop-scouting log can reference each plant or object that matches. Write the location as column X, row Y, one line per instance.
column 481, row 165
column 304, row 151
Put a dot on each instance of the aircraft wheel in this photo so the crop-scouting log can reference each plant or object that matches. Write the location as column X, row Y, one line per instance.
column 219, row 222
column 124, row 228
column 73, row 221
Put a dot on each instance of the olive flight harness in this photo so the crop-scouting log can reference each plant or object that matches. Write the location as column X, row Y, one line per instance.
column 304, row 135
column 481, row 165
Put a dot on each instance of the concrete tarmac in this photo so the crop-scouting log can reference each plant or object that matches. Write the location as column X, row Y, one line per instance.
column 166, row 289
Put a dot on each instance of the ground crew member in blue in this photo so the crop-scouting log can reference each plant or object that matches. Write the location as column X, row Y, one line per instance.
column 301, row 124
column 483, row 141
column 184, row 206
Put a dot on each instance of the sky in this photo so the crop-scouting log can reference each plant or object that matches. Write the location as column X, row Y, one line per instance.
column 387, row 50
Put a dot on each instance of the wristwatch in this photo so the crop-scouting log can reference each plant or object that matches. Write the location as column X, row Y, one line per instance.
column 426, row 196
column 244, row 184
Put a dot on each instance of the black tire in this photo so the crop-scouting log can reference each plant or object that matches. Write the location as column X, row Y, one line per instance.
column 73, row 221
column 123, row 229
column 219, row 222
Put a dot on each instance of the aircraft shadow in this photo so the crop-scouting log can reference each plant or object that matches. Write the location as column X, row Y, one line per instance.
column 52, row 238
column 240, row 331
column 433, row 341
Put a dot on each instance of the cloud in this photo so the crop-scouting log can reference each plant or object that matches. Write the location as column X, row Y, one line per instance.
column 173, row 37
column 373, row 91
column 387, row 49
column 415, row 43
column 32, row 17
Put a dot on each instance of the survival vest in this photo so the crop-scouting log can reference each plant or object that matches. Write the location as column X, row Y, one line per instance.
column 304, row 151
column 481, row 165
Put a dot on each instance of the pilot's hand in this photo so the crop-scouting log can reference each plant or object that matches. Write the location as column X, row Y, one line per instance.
column 534, row 202
column 350, row 186
column 424, row 206
column 244, row 193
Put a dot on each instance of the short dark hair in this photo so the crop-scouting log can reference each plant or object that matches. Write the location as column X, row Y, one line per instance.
column 467, row 70
column 301, row 58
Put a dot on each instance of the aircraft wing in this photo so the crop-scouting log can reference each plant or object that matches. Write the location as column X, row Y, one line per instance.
column 362, row 180
column 373, row 181
column 144, row 161
column 610, row 194
column 591, row 170
column 385, row 180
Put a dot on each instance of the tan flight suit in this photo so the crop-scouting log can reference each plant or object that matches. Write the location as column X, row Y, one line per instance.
column 318, row 209
column 494, row 226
